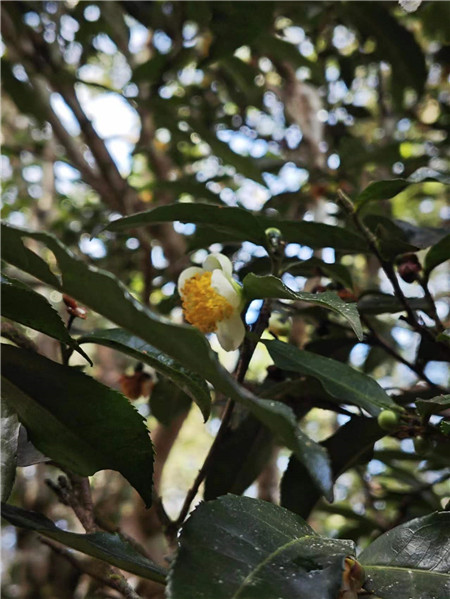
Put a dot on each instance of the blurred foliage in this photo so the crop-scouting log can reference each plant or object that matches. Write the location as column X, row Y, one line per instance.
column 266, row 109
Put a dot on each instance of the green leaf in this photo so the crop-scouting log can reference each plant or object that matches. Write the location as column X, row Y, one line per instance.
column 76, row 421
column 236, row 224
column 438, row 254
column 381, row 303
column 381, row 190
column 314, row 266
column 269, row 286
column 339, row 380
column 240, row 458
column 23, row 305
column 386, row 190
column 9, row 441
column 16, row 252
column 399, row 237
column 168, row 401
column 225, row 218
column 242, row 20
column 410, row 561
column 351, row 445
column 102, row 292
column 427, row 407
column 110, row 548
column 189, row 382
column 246, row 548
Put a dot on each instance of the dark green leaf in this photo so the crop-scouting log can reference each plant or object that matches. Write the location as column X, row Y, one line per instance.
column 23, row 305
column 381, row 190
column 102, row 292
column 9, row 441
column 189, row 382
column 427, row 407
column 385, row 190
column 167, row 401
column 76, row 421
column 339, row 380
column 272, row 287
column 110, row 548
column 227, row 219
column 242, row 20
column 241, row 456
column 242, row 77
column 316, row 267
column 411, row 560
column 398, row 237
column 349, row 446
column 16, row 252
column 236, row 224
column 381, row 303
column 246, row 548
column 438, row 254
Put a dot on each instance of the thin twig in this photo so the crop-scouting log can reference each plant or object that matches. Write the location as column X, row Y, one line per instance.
column 109, row 577
column 388, row 349
column 385, row 265
column 240, row 372
column 424, row 284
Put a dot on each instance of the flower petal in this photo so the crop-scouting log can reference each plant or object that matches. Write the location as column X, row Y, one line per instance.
column 188, row 273
column 224, row 287
column 218, row 261
column 231, row 332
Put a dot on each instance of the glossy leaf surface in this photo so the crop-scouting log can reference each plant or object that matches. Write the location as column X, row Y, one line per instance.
column 411, row 560
column 237, row 224
column 242, row 548
column 272, row 287
column 438, row 404
column 339, row 380
column 76, row 421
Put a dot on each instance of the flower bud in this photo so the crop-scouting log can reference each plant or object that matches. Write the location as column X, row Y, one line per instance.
column 408, row 267
column 73, row 308
column 274, row 239
column 347, row 295
column 388, row 420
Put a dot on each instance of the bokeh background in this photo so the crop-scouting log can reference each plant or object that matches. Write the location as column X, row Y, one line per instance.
column 110, row 108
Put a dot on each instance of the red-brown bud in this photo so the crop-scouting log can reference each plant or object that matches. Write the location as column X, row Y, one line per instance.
column 408, row 267
column 347, row 295
column 136, row 385
column 73, row 308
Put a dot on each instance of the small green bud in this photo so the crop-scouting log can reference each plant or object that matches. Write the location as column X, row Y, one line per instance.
column 274, row 238
column 388, row 420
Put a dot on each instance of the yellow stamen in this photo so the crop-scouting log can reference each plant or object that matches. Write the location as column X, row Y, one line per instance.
column 202, row 305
